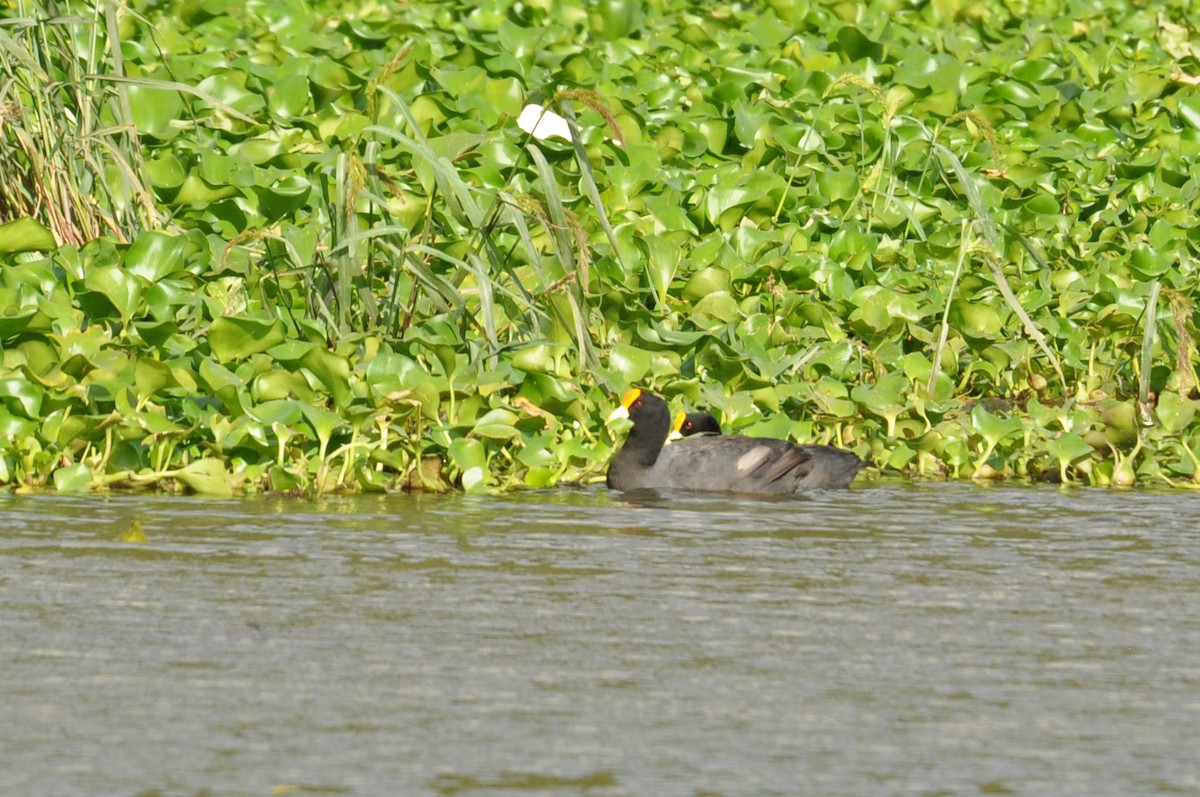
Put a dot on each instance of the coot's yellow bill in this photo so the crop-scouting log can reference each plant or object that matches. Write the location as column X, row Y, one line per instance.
column 626, row 402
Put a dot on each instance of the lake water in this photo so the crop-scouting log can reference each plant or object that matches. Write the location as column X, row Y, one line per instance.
column 890, row 640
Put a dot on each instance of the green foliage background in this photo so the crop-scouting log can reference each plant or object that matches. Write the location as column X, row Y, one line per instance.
column 304, row 246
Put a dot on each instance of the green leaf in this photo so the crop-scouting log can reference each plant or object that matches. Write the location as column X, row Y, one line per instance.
column 22, row 397
column 1069, row 447
column 154, row 109
column 333, row 370
column 26, row 235
column 630, row 362
column 166, row 175
column 73, row 479
column 993, row 427
column 662, row 260
column 238, row 337
column 151, row 376
column 284, row 411
column 206, row 477
column 283, row 197
column 323, row 422
column 471, row 459
column 121, row 288
column 887, row 398
column 499, row 424
column 288, row 97
column 155, row 255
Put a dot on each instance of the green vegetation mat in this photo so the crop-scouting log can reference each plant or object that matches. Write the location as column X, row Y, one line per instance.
column 306, row 246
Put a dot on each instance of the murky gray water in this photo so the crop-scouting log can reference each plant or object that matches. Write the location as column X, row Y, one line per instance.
column 940, row 640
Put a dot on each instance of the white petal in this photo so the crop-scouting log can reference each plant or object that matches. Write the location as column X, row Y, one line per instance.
column 543, row 124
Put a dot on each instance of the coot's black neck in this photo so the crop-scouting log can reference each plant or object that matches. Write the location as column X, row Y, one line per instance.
column 645, row 443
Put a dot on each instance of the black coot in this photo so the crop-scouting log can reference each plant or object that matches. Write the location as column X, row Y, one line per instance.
column 718, row 463
column 689, row 423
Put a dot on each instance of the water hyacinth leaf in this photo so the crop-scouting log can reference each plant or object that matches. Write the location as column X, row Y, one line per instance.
column 538, row 477
column 1068, row 448
column 291, row 352
column 662, row 261
column 976, row 319
column 799, row 139
column 154, row 109
column 535, row 453
column 630, row 362
column 121, row 288
column 228, row 93
column 155, row 333
column 540, row 358
column 719, row 305
column 281, row 411
column 227, row 385
column 151, row 376
column 238, row 337
column 470, row 457
column 777, row 425
column 1148, row 262
column 73, row 479
column 288, row 97
column 389, row 372
column 885, row 398
column 278, row 384
column 993, row 428
column 25, row 235
column 498, row 424
column 721, row 199
column 165, row 297
column 206, row 477
column 705, row 281
column 332, row 370
column 833, row 398
column 1175, row 412
column 856, row 45
column 63, row 428
column 155, row 424
column 154, row 255
column 166, row 175
column 13, row 427
column 283, row 197
column 13, row 324
column 22, row 397
column 323, row 422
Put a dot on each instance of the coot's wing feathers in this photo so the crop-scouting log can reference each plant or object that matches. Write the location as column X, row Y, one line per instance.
column 830, row 468
column 752, row 465
column 792, row 461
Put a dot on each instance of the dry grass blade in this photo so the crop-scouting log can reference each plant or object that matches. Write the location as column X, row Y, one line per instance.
column 1185, row 344
column 58, row 161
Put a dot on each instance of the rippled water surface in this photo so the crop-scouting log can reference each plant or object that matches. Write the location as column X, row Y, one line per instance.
column 937, row 639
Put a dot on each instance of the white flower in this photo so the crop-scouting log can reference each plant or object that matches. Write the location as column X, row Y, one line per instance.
column 542, row 123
